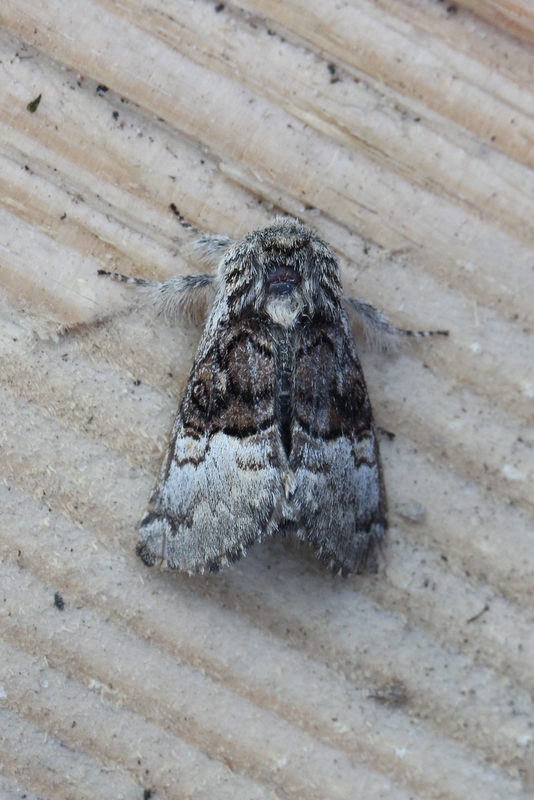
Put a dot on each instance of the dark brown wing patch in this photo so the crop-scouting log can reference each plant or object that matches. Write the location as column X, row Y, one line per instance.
column 330, row 392
column 231, row 388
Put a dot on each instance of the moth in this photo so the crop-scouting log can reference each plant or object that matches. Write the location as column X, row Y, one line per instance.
column 275, row 433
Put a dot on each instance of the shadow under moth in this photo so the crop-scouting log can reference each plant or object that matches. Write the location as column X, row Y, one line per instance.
column 275, row 432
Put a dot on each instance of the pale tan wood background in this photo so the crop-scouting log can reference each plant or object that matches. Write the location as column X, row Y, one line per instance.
column 403, row 131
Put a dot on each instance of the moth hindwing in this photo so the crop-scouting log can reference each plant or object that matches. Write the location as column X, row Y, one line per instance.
column 275, row 433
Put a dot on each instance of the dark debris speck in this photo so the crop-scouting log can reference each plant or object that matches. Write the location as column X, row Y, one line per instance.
column 34, row 105
column 59, row 602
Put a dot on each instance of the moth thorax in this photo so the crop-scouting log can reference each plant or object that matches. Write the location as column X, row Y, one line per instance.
column 284, row 309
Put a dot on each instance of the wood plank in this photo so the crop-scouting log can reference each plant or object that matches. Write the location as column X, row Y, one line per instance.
column 403, row 133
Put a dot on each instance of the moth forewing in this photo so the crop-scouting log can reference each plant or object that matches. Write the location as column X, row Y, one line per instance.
column 335, row 458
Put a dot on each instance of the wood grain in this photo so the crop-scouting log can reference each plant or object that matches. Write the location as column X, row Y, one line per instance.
column 514, row 16
column 403, row 132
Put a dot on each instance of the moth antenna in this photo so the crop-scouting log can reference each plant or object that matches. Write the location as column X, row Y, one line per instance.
column 209, row 248
column 183, row 222
column 379, row 332
column 420, row 334
column 116, row 276
column 186, row 296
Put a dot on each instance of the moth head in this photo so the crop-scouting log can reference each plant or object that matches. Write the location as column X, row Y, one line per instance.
column 284, row 271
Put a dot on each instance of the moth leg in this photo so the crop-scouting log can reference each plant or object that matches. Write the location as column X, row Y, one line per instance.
column 379, row 332
column 184, row 295
column 209, row 248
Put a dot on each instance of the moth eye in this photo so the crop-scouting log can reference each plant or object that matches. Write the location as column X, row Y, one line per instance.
column 282, row 280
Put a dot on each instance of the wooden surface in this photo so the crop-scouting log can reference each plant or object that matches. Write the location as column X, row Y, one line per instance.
column 403, row 132
column 514, row 16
